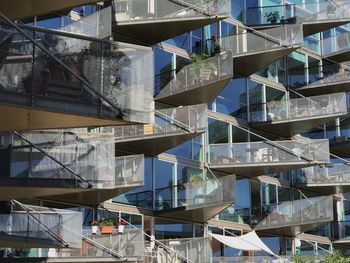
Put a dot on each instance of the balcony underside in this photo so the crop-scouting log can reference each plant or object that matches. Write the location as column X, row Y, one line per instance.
column 23, row 188
column 14, row 241
column 342, row 243
column 153, row 31
column 310, row 28
column 256, row 169
column 251, row 62
column 289, row 128
column 197, row 215
column 290, row 231
column 340, row 56
column 19, row 9
column 202, row 94
column 14, row 117
column 326, row 88
column 341, row 148
column 90, row 197
column 155, row 145
column 326, row 188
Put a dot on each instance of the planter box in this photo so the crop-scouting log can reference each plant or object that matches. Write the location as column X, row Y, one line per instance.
column 106, row 229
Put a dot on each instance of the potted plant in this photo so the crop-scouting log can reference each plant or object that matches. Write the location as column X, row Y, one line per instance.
column 121, row 225
column 94, row 226
column 272, row 17
column 106, row 226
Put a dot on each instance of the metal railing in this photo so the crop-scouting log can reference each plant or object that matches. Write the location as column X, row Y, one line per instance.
column 197, row 193
column 336, row 44
column 301, row 108
column 42, row 225
column 171, row 121
column 98, row 24
column 127, row 11
column 292, row 151
column 334, row 174
column 298, row 212
column 201, row 73
column 67, row 155
column 48, row 69
column 297, row 13
column 78, row 158
column 264, row 40
column 195, row 249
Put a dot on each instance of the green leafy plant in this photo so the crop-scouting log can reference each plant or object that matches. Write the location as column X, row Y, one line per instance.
column 272, row 17
column 106, row 222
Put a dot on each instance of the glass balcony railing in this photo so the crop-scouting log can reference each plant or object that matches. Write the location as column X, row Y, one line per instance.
column 315, row 11
column 194, row 249
column 201, row 73
column 48, row 226
column 55, row 155
column 127, row 11
column 299, row 212
column 181, row 120
column 98, row 24
column 264, row 40
column 269, row 153
column 340, row 230
column 334, row 174
column 197, row 193
column 75, row 74
column 336, row 44
column 301, row 108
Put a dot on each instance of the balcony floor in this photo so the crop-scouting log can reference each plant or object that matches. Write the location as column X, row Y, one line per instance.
column 288, row 128
column 326, row 188
column 290, row 231
column 339, row 56
column 310, row 28
column 13, row 241
column 14, row 117
column 202, row 94
column 256, row 169
column 249, row 63
column 152, row 31
column 153, row 145
column 324, row 88
column 90, row 197
column 197, row 215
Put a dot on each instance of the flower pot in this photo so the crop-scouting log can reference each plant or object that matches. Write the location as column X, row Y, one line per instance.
column 106, row 229
column 121, row 229
column 94, row 229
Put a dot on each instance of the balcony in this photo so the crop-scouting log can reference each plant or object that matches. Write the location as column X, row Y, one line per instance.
column 18, row 9
column 330, row 179
column 259, row 158
column 315, row 16
column 196, row 201
column 289, row 117
column 199, row 82
column 171, row 127
column 332, row 81
column 154, row 21
column 294, row 217
column 62, row 80
column 253, row 51
column 39, row 227
column 337, row 48
column 66, row 164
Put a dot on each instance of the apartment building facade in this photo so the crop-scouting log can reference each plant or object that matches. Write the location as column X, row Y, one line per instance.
column 174, row 130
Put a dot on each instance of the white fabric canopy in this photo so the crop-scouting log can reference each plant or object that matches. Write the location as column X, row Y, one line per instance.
column 247, row 242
